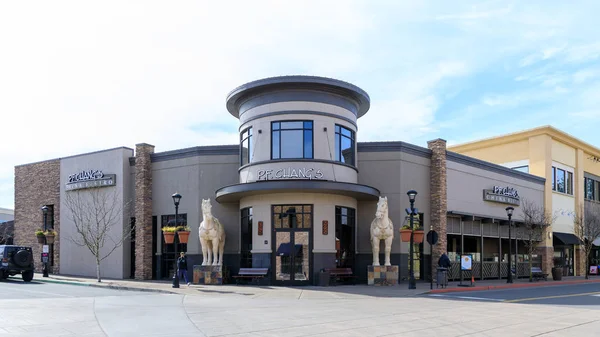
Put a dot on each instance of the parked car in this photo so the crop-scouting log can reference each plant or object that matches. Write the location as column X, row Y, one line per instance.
column 16, row 260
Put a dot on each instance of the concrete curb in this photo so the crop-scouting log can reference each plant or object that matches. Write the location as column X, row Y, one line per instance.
column 105, row 285
column 510, row 286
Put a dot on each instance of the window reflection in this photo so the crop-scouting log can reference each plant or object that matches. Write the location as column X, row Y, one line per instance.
column 292, row 139
column 344, row 145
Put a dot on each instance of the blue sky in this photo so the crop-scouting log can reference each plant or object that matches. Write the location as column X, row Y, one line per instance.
column 77, row 77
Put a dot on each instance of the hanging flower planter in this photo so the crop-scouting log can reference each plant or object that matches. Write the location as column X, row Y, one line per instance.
column 183, row 233
column 169, row 234
column 405, row 234
column 418, row 236
column 40, row 236
column 50, row 237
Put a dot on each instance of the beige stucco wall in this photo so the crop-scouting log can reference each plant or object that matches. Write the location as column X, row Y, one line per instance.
column 564, row 154
column 76, row 260
column 196, row 178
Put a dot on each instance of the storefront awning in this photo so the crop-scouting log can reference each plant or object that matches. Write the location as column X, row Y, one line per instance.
column 234, row 193
column 285, row 248
column 567, row 238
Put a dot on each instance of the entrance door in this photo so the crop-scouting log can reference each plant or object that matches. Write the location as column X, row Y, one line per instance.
column 292, row 244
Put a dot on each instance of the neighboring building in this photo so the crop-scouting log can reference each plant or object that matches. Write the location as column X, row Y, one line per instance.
column 572, row 171
column 6, row 226
column 298, row 178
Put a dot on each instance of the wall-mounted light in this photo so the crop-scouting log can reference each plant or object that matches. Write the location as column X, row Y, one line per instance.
column 325, row 129
column 325, row 227
column 259, row 131
column 260, row 228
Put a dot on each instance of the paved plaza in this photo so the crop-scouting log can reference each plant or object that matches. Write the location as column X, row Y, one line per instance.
column 51, row 309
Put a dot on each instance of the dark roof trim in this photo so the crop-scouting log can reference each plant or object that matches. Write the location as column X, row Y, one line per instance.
column 212, row 150
column 394, row 147
column 461, row 213
column 294, row 95
column 77, row 155
column 296, row 112
column 234, row 193
column 315, row 83
column 567, row 238
column 462, row 159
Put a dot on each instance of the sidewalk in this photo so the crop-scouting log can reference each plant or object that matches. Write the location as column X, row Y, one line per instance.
column 306, row 292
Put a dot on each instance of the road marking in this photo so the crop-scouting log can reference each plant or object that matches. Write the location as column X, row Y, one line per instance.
column 596, row 293
column 469, row 297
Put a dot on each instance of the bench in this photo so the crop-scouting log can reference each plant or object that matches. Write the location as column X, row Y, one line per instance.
column 254, row 274
column 340, row 274
column 538, row 274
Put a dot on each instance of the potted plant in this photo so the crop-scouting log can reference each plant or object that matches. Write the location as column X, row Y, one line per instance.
column 405, row 233
column 418, row 235
column 169, row 234
column 557, row 270
column 40, row 235
column 50, row 234
column 183, row 232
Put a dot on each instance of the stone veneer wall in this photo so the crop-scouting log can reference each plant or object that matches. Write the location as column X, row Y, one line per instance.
column 580, row 261
column 143, row 211
column 547, row 254
column 37, row 185
column 438, row 198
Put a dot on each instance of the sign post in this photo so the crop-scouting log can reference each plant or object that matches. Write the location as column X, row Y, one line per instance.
column 466, row 263
column 432, row 239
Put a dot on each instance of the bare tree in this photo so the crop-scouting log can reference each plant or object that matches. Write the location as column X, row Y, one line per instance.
column 535, row 223
column 98, row 215
column 586, row 223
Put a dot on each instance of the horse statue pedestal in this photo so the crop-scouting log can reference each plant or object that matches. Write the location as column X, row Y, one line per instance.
column 382, row 275
column 208, row 274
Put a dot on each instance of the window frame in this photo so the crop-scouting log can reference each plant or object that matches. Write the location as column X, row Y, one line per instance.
column 242, row 139
column 595, row 189
column 303, row 129
column 338, row 140
column 568, row 183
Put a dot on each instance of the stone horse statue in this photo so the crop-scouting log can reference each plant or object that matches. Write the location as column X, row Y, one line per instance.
column 382, row 228
column 212, row 236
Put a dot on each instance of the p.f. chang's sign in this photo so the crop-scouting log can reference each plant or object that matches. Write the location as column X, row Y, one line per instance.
column 89, row 179
column 290, row 173
column 505, row 195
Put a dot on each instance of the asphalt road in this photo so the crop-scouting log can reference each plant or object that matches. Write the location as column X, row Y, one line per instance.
column 570, row 295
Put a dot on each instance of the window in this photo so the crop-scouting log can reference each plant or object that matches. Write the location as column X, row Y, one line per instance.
column 344, row 145
column 292, row 216
column 592, row 189
column 292, row 140
column 345, row 222
column 246, row 146
column 522, row 168
column 170, row 252
column 246, row 238
column 562, row 180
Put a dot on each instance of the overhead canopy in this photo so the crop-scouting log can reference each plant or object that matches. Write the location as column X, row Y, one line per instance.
column 567, row 238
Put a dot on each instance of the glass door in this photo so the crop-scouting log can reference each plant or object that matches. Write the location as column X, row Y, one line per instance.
column 292, row 258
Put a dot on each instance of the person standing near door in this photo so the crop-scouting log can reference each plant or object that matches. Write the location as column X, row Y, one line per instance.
column 182, row 267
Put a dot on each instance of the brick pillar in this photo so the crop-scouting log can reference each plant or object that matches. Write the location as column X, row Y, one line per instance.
column 580, row 259
column 143, row 211
column 36, row 185
column 438, row 198
column 547, row 254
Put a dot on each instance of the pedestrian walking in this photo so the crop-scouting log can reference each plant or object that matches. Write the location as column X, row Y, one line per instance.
column 182, row 267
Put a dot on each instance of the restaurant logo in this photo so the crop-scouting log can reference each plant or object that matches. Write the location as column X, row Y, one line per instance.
column 89, row 179
column 505, row 195
column 290, row 173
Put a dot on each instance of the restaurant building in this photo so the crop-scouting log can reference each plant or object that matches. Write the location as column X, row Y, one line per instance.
column 296, row 195
column 572, row 171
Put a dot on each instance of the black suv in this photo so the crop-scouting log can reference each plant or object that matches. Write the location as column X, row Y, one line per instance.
column 16, row 260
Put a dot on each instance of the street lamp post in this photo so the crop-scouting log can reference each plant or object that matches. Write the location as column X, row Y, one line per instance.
column 176, row 198
column 509, row 212
column 411, row 196
column 45, row 265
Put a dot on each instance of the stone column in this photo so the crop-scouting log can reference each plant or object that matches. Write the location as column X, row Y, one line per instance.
column 580, row 261
column 438, row 198
column 143, row 211
column 547, row 254
column 36, row 185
